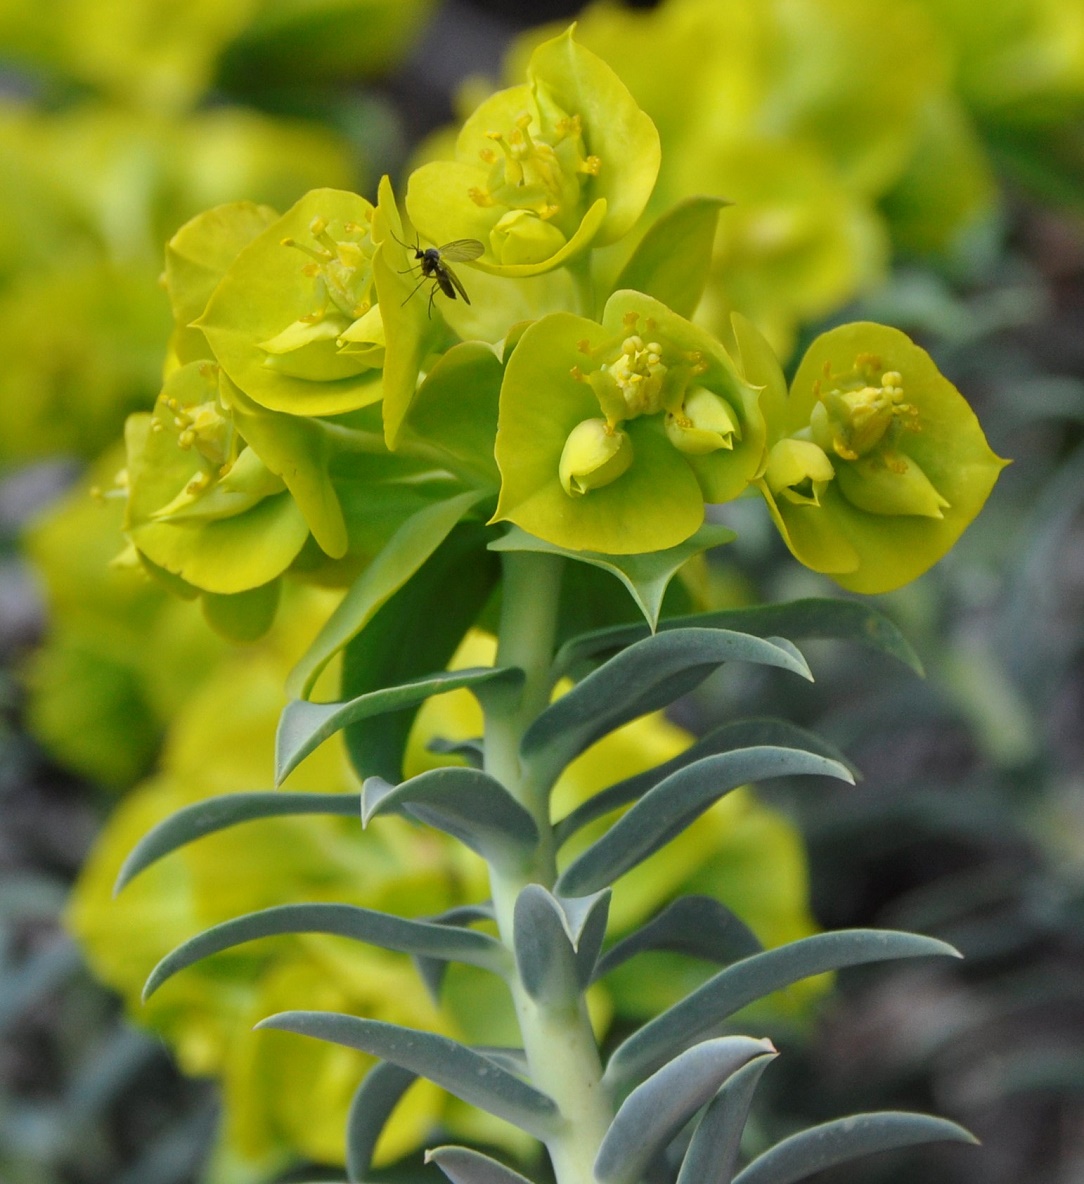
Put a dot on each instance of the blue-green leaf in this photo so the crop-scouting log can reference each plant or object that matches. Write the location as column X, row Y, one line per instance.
column 416, row 631
column 407, row 550
column 645, row 576
column 432, row 970
column 544, row 955
column 660, row 1106
column 463, row 1166
column 469, row 1075
column 712, row 1154
column 218, row 813
column 304, row 725
column 673, row 259
column 744, row 733
column 466, row 803
column 471, row 751
column 826, row 619
column 343, row 920
column 646, row 676
column 675, row 803
column 557, row 942
column 699, row 926
column 371, row 1107
column 753, row 978
column 845, row 1139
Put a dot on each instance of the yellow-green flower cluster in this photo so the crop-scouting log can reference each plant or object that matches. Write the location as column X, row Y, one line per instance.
column 816, row 118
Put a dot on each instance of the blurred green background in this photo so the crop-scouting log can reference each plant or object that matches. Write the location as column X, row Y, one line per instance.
column 919, row 162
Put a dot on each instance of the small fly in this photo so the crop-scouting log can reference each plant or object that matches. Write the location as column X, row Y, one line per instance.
column 432, row 263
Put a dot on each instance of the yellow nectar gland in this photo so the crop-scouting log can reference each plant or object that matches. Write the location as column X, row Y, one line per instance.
column 862, row 412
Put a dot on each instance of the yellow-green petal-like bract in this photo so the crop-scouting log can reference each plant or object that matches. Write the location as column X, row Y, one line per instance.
column 912, row 465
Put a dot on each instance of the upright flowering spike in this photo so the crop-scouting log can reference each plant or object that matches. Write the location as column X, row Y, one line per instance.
column 876, row 463
column 545, row 169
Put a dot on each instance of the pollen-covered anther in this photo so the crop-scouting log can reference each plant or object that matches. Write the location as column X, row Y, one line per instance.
column 590, row 165
column 198, row 483
column 571, row 125
column 480, row 197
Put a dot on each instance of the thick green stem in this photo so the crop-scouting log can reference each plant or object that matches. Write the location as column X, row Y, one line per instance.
column 561, row 1049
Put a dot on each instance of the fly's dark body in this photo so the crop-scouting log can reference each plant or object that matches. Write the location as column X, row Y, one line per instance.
column 432, row 264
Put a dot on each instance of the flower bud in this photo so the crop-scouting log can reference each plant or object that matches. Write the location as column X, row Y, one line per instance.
column 594, row 455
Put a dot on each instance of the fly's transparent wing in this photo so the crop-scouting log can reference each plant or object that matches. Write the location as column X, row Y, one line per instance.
column 461, row 250
column 446, row 273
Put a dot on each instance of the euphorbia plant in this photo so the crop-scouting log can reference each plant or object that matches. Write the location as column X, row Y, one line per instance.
column 319, row 424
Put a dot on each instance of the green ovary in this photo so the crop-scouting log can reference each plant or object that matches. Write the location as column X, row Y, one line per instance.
column 595, row 454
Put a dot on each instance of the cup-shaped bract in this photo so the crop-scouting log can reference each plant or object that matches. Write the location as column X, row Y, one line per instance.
column 612, row 437
column 543, row 170
column 876, row 462
column 275, row 318
column 202, row 505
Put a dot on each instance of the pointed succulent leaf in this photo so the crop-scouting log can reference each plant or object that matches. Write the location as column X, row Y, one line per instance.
column 305, row 725
column 411, row 545
column 544, row 955
column 712, row 1154
column 676, row 802
column 463, row 1166
column 673, row 259
column 343, row 920
column 218, row 813
column 660, row 1106
column 646, row 676
column 587, row 918
column 466, row 803
column 471, row 751
column 845, row 1139
column 747, row 733
column 753, row 978
column 432, row 970
column 815, row 618
column 392, row 648
column 645, row 576
column 699, row 926
column 467, row 1074
column 371, row 1107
